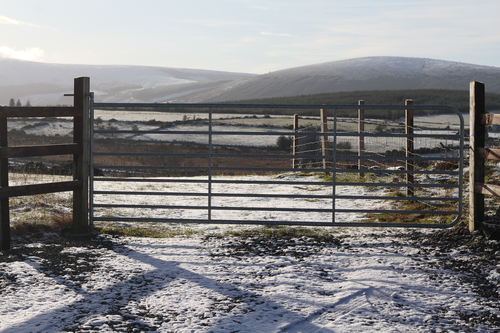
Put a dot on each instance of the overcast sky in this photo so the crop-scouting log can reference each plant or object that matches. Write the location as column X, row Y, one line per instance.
column 250, row 36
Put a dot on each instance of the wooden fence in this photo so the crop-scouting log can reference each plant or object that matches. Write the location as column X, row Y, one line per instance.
column 478, row 154
column 79, row 149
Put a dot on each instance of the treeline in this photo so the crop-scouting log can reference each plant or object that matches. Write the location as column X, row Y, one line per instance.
column 12, row 103
column 435, row 97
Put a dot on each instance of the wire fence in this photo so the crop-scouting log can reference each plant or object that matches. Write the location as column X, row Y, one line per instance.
column 380, row 143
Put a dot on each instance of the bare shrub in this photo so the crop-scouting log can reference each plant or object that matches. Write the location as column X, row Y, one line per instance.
column 61, row 221
column 284, row 142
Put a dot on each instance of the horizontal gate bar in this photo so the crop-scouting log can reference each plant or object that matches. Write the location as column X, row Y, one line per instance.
column 397, row 198
column 149, row 154
column 398, row 185
column 147, row 167
column 164, row 107
column 306, row 210
column 263, row 195
column 191, row 194
column 276, row 222
column 364, row 157
column 299, row 134
column 138, row 167
column 277, row 182
column 317, row 210
column 387, row 211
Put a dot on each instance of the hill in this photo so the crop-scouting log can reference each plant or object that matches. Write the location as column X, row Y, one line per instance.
column 436, row 97
column 44, row 84
column 372, row 73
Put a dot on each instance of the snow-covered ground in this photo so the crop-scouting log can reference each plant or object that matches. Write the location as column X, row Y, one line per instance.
column 356, row 280
column 353, row 280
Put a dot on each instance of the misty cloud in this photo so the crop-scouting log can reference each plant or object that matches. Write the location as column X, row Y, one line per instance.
column 33, row 53
column 6, row 20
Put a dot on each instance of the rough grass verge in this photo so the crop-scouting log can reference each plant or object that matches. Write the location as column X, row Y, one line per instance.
column 145, row 231
column 280, row 231
column 57, row 223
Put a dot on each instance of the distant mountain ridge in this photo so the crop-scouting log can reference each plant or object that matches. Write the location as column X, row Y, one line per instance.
column 370, row 73
column 44, row 84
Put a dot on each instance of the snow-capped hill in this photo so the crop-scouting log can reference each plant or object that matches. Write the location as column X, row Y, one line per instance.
column 364, row 68
column 371, row 73
column 18, row 72
column 44, row 83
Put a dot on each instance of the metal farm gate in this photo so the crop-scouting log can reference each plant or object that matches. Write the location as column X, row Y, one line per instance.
column 204, row 163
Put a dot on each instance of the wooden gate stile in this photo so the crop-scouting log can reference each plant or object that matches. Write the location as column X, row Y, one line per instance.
column 79, row 149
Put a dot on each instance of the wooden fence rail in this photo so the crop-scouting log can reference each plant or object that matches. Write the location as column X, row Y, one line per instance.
column 79, row 149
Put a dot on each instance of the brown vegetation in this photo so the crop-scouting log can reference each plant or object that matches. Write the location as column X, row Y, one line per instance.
column 180, row 158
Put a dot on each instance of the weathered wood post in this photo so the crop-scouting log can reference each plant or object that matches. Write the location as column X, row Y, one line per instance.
column 476, row 167
column 295, row 140
column 409, row 148
column 81, row 127
column 361, row 139
column 4, row 182
column 324, row 138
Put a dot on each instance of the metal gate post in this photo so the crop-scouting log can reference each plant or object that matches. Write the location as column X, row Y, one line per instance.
column 210, row 156
column 409, row 148
column 295, row 149
column 361, row 138
column 324, row 139
column 334, row 166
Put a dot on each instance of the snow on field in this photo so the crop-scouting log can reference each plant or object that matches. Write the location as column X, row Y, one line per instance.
column 235, row 188
column 138, row 121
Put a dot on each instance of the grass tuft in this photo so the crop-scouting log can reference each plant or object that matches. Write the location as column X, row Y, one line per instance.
column 145, row 231
column 285, row 231
column 56, row 223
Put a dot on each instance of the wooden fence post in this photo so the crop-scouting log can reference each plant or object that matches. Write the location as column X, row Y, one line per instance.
column 81, row 128
column 361, row 139
column 476, row 167
column 4, row 182
column 409, row 148
column 324, row 139
column 295, row 139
